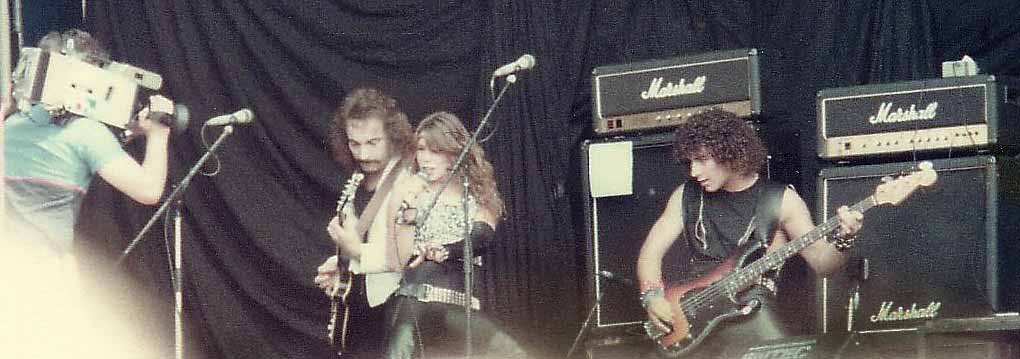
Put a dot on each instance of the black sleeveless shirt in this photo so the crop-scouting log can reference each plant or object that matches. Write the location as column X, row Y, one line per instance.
column 718, row 224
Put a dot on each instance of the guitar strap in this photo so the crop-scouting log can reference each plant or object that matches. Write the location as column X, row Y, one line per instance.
column 767, row 215
column 767, row 211
column 366, row 218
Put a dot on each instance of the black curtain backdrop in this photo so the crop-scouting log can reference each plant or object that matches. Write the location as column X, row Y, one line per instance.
column 254, row 233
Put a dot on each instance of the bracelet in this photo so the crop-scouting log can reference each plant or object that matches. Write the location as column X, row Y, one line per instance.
column 650, row 294
column 650, row 284
column 841, row 241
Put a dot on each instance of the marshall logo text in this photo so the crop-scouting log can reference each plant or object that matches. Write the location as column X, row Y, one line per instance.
column 657, row 90
column 887, row 314
column 886, row 115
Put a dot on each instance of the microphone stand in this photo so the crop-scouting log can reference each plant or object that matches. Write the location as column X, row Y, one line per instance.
column 859, row 272
column 176, row 273
column 587, row 323
column 468, row 259
column 468, row 255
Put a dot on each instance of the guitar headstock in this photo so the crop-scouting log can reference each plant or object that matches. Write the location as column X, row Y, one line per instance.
column 348, row 192
column 895, row 191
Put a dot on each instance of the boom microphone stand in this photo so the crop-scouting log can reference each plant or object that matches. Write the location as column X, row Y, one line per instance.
column 468, row 255
column 176, row 272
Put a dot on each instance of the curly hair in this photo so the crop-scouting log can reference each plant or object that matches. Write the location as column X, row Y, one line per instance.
column 730, row 140
column 77, row 43
column 362, row 104
column 444, row 133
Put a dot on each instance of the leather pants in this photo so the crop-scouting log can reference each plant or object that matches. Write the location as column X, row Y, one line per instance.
column 426, row 330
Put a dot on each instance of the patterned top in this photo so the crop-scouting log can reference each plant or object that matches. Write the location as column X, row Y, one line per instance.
column 445, row 224
column 440, row 282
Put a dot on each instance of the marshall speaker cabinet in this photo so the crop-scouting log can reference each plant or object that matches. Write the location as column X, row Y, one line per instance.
column 627, row 182
column 662, row 93
column 946, row 251
column 975, row 112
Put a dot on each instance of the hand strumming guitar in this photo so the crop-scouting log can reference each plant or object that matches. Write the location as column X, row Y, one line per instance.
column 660, row 313
column 327, row 273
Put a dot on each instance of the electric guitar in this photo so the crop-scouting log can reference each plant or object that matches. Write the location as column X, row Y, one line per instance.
column 339, row 311
column 700, row 306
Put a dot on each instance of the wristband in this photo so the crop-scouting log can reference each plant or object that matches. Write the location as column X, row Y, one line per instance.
column 651, row 294
column 841, row 241
column 651, row 284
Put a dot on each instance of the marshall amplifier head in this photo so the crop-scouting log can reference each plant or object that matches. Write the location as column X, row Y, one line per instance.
column 662, row 93
column 962, row 112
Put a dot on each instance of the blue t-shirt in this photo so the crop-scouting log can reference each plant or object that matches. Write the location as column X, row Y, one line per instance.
column 48, row 168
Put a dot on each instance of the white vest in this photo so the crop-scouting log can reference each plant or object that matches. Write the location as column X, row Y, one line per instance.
column 380, row 280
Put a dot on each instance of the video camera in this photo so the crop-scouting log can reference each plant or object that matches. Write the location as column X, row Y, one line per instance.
column 109, row 92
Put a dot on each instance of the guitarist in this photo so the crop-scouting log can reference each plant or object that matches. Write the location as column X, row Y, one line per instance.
column 370, row 135
column 722, row 209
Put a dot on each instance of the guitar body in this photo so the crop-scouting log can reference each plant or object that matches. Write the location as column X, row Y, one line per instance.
column 340, row 311
column 696, row 317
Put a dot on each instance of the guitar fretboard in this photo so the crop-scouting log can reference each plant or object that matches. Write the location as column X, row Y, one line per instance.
column 744, row 277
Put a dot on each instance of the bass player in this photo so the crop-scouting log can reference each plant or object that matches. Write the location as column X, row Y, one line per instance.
column 723, row 208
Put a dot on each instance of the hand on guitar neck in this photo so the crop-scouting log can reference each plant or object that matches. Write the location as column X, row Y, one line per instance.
column 345, row 235
column 348, row 243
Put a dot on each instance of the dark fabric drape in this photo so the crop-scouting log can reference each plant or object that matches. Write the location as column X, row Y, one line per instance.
column 988, row 31
column 254, row 233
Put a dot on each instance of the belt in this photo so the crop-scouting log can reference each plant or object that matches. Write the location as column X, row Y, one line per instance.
column 429, row 293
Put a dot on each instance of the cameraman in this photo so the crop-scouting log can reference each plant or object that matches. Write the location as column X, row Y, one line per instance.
column 51, row 158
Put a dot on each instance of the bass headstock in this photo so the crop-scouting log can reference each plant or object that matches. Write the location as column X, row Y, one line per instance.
column 896, row 190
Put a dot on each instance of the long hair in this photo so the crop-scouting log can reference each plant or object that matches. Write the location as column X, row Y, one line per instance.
column 362, row 104
column 728, row 139
column 444, row 133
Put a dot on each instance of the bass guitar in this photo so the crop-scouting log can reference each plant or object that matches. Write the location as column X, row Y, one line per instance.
column 339, row 311
column 700, row 306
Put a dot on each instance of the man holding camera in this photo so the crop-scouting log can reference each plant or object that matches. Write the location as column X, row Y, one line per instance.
column 52, row 155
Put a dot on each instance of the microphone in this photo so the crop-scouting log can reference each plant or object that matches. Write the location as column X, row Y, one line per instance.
column 241, row 117
column 525, row 62
column 612, row 276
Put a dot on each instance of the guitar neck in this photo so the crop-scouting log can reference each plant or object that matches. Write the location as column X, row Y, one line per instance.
column 750, row 273
column 341, row 264
column 346, row 197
